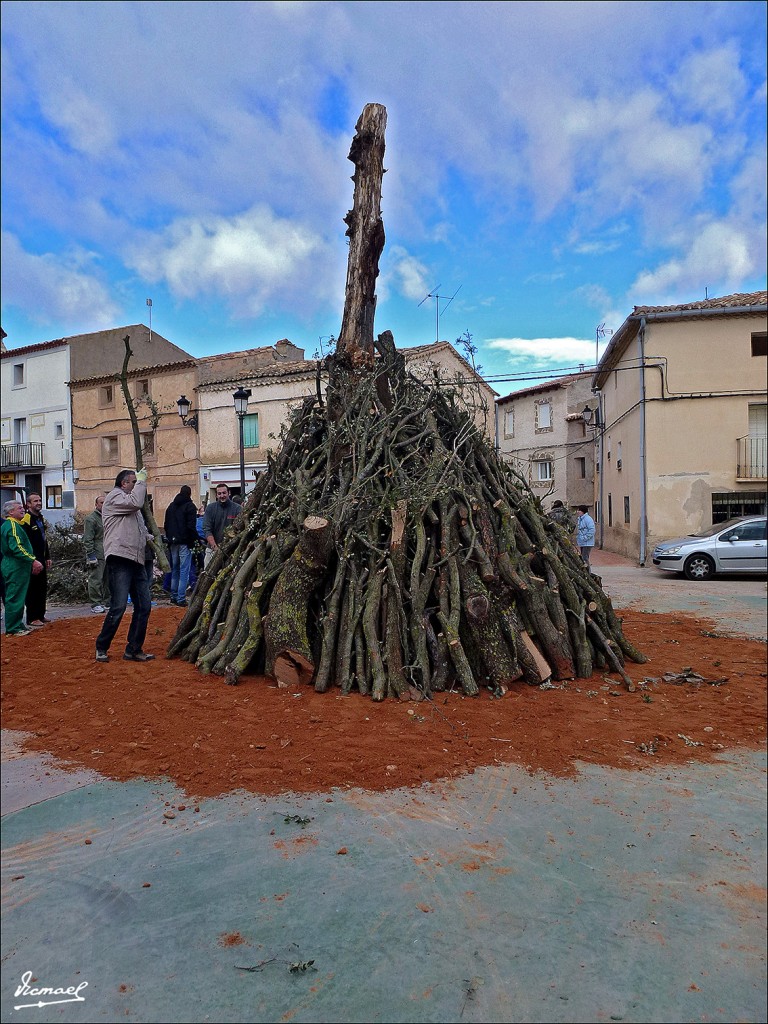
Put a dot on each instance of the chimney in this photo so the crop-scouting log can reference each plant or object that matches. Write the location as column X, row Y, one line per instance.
column 287, row 352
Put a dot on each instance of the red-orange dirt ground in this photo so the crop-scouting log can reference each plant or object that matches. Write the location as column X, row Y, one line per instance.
column 164, row 719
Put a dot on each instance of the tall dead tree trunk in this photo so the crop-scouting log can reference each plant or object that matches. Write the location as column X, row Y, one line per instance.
column 149, row 519
column 365, row 230
column 388, row 548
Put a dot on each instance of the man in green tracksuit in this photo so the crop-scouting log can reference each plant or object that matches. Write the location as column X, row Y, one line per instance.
column 18, row 564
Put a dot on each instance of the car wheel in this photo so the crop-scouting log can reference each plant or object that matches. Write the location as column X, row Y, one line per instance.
column 699, row 567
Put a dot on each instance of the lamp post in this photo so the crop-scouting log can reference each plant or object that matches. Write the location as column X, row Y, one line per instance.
column 188, row 421
column 594, row 417
column 241, row 397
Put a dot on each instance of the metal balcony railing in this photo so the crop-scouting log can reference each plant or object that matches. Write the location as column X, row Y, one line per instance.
column 30, row 455
column 751, row 458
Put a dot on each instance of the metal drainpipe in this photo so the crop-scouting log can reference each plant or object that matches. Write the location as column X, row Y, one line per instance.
column 601, row 456
column 643, row 468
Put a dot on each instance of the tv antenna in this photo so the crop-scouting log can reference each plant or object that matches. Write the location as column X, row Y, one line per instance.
column 600, row 332
column 149, row 303
column 439, row 312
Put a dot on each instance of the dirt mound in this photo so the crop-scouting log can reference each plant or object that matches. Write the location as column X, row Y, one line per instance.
column 166, row 719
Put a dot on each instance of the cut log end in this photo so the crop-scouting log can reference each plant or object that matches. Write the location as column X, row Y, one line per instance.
column 292, row 669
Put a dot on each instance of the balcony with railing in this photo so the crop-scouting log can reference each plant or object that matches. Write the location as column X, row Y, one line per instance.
column 29, row 455
column 751, row 458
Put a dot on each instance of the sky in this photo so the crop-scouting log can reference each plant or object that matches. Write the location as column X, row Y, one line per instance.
column 549, row 166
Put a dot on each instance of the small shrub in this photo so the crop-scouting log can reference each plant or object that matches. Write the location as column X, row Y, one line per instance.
column 68, row 576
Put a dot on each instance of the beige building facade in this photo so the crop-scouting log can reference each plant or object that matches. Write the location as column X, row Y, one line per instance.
column 102, row 436
column 542, row 430
column 682, row 433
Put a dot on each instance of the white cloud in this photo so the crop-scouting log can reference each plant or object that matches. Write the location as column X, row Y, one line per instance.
column 711, row 82
column 85, row 124
column 407, row 275
column 55, row 289
column 718, row 257
column 247, row 258
column 570, row 351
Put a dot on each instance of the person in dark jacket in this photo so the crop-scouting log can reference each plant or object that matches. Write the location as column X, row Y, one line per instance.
column 181, row 535
column 35, row 528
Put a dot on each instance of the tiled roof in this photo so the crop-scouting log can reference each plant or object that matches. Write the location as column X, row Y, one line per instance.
column 137, row 371
column 548, row 385
column 261, row 374
column 25, row 350
column 745, row 299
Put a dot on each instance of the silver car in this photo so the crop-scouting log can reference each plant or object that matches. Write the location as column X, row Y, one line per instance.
column 738, row 545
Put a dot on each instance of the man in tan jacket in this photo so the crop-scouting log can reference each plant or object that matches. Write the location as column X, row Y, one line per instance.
column 125, row 541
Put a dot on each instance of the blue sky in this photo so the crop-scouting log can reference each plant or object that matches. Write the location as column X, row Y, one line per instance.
column 549, row 164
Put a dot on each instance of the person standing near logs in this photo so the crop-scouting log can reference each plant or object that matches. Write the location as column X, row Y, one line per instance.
column 218, row 516
column 125, row 542
column 93, row 541
column 181, row 535
column 585, row 533
column 560, row 514
column 35, row 528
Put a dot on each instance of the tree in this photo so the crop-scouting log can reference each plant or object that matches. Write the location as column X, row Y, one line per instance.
column 149, row 519
column 387, row 548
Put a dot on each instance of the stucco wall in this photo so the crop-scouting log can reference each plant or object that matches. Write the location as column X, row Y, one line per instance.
column 564, row 443
column 692, row 425
column 175, row 458
column 43, row 401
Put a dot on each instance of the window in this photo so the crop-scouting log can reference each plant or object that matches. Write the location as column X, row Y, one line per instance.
column 251, row 430
column 598, row 511
column 109, row 450
column 106, row 396
column 731, row 504
column 747, row 531
column 626, row 509
column 509, row 423
column 581, row 467
column 618, row 455
column 18, row 375
column 53, row 497
column 148, row 444
column 544, row 470
column 58, row 430
column 141, row 388
column 760, row 344
column 543, row 415
column 610, row 510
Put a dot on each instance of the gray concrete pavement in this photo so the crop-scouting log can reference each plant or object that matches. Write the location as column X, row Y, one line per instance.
column 498, row 897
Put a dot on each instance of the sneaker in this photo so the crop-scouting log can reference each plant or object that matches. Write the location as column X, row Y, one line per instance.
column 180, row 604
column 34, row 625
column 20, row 632
column 99, row 609
column 138, row 656
column 102, row 656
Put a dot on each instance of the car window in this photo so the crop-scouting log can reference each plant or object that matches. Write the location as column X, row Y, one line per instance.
column 747, row 531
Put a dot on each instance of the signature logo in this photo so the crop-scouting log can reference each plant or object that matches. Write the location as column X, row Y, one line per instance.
column 25, row 989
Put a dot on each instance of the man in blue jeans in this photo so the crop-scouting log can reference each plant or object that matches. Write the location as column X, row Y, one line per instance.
column 125, row 541
column 181, row 534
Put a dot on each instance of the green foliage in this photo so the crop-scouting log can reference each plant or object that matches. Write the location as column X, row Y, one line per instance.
column 68, row 576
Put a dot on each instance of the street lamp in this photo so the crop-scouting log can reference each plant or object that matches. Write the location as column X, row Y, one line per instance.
column 241, row 397
column 587, row 415
column 188, row 421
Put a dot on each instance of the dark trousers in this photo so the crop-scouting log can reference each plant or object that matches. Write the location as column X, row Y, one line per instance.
column 126, row 578
column 37, row 595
